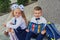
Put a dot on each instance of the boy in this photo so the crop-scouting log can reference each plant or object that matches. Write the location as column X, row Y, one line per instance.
column 36, row 25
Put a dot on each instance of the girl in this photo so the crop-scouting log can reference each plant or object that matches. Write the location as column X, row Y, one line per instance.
column 18, row 23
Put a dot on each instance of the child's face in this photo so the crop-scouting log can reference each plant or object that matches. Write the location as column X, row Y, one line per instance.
column 17, row 13
column 37, row 13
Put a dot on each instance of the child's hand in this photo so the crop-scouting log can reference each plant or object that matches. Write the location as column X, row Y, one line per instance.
column 11, row 23
column 43, row 32
column 6, row 33
column 27, row 30
column 4, row 25
column 10, row 30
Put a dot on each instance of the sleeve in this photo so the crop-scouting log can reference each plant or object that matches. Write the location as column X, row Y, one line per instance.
column 11, row 21
column 18, row 23
column 44, row 23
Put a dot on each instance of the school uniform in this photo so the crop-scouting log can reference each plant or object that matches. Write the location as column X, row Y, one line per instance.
column 18, row 26
column 35, row 27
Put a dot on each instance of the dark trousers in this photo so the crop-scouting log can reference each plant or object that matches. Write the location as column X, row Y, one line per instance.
column 30, row 34
column 21, row 34
column 40, row 37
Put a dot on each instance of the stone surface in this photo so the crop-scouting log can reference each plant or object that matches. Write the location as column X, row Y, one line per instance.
column 51, row 10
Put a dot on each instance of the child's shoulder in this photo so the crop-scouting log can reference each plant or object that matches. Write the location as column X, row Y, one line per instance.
column 21, row 19
column 42, row 17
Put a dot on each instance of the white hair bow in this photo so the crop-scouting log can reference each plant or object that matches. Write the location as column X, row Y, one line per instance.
column 15, row 6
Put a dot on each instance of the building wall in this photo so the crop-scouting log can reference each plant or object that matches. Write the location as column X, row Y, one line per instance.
column 51, row 10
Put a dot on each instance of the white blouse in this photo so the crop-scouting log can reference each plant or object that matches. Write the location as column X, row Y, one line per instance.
column 20, row 22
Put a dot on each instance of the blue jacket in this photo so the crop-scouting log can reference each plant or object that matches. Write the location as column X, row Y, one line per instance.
column 37, row 27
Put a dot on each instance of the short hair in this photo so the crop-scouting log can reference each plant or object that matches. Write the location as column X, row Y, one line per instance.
column 37, row 8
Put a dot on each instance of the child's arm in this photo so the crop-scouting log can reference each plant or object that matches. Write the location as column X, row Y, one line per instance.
column 5, row 25
column 11, row 22
column 43, row 30
column 44, row 22
column 18, row 23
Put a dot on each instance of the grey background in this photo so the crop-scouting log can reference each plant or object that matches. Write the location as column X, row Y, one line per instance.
column 51, row 10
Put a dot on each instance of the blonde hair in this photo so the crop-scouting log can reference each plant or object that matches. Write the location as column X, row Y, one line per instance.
column 23, row 15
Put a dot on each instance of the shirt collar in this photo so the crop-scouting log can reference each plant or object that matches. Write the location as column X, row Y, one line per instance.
column 38, row 18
